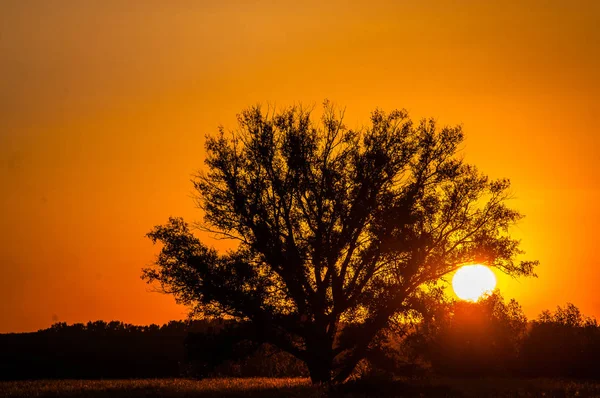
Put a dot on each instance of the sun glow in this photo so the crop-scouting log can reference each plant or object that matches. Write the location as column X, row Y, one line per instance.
column 471, row 282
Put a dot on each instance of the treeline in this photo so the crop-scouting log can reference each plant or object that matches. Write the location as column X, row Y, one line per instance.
column 117, row 350
column 494, row 338
column 488, row 338
column 94, row 350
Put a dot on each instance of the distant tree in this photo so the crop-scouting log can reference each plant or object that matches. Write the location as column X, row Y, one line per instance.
column 569, row 315
column 472, row 338
column 336, row 227
column 562, row 344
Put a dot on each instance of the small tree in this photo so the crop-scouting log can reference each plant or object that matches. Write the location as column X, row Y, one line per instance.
column 335, row 227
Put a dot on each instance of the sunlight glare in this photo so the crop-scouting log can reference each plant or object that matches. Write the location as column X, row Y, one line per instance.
column 471, row 282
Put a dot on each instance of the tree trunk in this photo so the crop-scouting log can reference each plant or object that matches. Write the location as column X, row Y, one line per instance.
column 320, row 360
column 320, row 372
column 347, row 369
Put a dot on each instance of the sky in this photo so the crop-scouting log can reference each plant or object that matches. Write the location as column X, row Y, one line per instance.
column 104, row 106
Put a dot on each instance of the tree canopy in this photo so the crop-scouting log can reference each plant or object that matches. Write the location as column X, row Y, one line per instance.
column 340, row 230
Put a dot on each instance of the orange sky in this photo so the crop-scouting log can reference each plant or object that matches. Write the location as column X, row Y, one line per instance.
column 104, row 106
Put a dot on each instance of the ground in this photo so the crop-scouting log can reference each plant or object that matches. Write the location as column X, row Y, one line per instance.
column 264, row 387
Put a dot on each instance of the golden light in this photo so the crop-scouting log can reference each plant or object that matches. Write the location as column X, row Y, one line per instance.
column 471, row 282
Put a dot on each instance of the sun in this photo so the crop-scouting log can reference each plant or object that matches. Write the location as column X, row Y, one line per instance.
column 471, row 282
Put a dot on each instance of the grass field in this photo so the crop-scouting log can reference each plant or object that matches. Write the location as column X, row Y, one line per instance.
column 264, row 387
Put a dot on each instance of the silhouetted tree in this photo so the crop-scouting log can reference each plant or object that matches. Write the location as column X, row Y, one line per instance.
column 94, row 350
column 562, row 344
column 335, row 226
column 472, row 338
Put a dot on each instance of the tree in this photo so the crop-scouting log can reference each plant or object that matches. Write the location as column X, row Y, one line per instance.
column 471, row 338
column 338, row 229
column 565, row 343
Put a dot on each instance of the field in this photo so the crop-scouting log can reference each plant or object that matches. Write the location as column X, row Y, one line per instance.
column 264, row 387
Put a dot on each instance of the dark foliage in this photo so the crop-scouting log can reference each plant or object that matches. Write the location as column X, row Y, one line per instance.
column 563, row 344
column 493, row 338
column 335, row 226
column 235, row 350
column 471, row 339
column 94, row 350
column 116, row 350
column 489, row 338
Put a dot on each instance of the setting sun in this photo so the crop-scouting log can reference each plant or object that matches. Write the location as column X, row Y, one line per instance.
column 473, row 281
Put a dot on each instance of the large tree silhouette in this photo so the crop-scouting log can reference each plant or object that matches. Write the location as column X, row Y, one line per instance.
column 338, row 229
